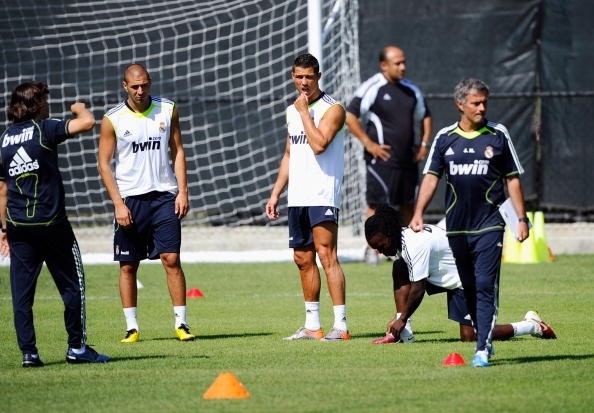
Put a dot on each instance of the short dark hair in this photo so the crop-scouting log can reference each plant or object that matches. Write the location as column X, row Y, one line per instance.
column 386, row 221
column 306, row 60
column 26, row 100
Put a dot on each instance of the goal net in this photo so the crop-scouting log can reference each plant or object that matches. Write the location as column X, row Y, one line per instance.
column 226, row 64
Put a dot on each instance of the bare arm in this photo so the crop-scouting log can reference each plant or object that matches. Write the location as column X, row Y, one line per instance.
column 425, row 139
column 83, row 121
column 415, row 297
column 375, row 149
column 514, row 188
column 321, row 136
column 178, row 159
column 107, row 145
column 426, row 191
column 279, row 186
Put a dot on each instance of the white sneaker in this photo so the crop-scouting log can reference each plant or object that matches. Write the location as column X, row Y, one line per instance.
column 305, row 334
column 407, row 337
column 543, row 329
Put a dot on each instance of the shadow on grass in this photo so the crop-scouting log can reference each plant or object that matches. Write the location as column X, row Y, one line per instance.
column 216, row 336
column 155, row 357
column 416, row 333
column 538, row 359
column 115, row 359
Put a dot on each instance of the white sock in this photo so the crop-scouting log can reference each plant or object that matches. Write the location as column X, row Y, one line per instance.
column 522, row 328
column 180, row 315
column 340, row 317
column 130, row 316
column 79, row 350
column 312, row 315
column 407, row 332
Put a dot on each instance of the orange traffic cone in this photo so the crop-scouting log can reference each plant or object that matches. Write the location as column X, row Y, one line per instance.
column 195, row 293
column 454, row 359
column 226, row 386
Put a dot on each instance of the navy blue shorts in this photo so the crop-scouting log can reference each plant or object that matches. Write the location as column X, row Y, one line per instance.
column 391, row 186
column 303, row 219
column 156, row 228
column 457, row 309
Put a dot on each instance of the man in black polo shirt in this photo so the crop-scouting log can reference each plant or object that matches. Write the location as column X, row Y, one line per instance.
column 477, row 157
column 391, row 119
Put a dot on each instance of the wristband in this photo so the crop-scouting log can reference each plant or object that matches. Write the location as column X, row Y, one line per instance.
column 524, row 219
column 424, row 144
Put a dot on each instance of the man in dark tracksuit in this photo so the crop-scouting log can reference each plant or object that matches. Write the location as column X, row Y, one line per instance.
column 35, row 228
column 477, row 157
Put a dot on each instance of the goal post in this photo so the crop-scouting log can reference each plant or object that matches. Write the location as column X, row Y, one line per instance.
column 225, row 63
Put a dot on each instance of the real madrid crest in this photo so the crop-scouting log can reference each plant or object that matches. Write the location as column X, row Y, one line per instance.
column 489, row 152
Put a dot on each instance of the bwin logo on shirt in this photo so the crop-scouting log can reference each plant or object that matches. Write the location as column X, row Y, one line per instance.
column 25, row 135
column 153, row 144
column 479, row 167
column 21, row 163
column 299, row 139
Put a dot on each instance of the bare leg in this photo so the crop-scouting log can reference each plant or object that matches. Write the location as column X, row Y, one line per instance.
column 325, row 240
column 305, row 259
column 500, row 332
column 176, row 280
column 128, row 289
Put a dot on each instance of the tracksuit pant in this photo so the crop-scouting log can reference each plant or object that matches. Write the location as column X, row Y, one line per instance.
column 478, row 259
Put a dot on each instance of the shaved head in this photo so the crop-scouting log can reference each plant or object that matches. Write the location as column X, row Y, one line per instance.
column 135, row 70
column 388, row 51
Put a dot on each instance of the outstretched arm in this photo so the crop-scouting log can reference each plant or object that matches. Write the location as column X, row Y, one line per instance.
column 426, row 191
column 415, row 297
column 83, row 121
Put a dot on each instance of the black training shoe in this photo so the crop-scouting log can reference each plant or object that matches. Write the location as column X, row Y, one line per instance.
column 89, row 356
column 32, row 360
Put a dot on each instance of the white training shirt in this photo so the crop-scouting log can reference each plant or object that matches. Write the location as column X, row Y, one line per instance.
column 142, row 160
column 314, row 180
column 428, row 255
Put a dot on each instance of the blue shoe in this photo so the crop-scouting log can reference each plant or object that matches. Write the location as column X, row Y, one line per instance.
column 88, row 356
column 32, row 360
column 481, row 359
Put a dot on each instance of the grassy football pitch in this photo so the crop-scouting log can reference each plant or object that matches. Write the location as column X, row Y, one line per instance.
column 247, row 309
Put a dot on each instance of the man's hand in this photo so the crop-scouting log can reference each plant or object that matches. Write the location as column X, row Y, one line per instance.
column 378, row 151
column 395, row 327
column 301, row 103
column 4, row 249
column 271, row 209
column 123, row 216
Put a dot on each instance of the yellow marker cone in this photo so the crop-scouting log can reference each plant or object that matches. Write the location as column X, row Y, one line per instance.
column 540, row 239
column 528, row 253
column 226, row 386
column 511, row 248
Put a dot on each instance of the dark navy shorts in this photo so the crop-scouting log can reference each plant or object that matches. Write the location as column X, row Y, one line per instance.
column 457, row 309
column 303, row 219
column 155, row 229
column 391, row 186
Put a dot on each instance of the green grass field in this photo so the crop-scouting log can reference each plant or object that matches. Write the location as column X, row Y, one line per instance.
column 248, row 308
